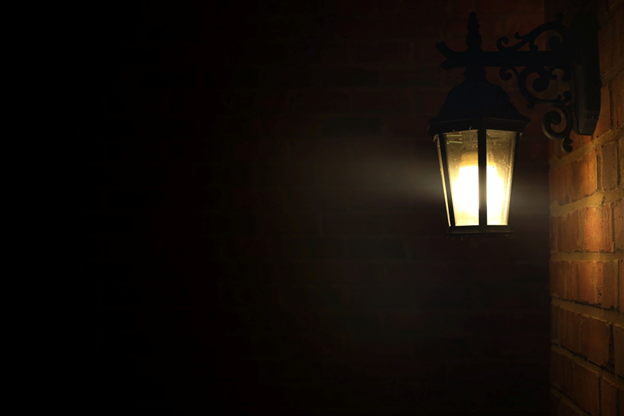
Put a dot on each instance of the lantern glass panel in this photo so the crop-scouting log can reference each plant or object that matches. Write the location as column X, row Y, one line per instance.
column 463, row 168
column 462, row 158
column 501, row 146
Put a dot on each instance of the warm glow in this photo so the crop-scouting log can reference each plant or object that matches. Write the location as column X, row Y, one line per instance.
column 462, row 149
column 466, row 196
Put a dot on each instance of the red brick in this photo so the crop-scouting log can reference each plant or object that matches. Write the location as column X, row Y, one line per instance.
column 569, row 327
column 618, row 349
column 617, row 91
column 554, row 324
column 553, row 227
column 560, row 271
column 554, row 149
column 579, row 140
column 621, row 278
column 609, row 166
column 559, row 181
column 618, row 223
column 597, row 228
column 568, row 236
column 561, row 372
column 586, row 389
column 585, row 272
column 597, row 283
column 604, row 119
column 621, row 153
column 608, row 398
column 563, row 273
column 595, row 336
column 572, row 283
column 584, row 176
column 606, row 285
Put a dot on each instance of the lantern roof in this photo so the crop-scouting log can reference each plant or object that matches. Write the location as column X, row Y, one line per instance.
column 477, row 104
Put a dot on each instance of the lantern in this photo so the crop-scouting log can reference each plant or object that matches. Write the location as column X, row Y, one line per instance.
column 476, row 133
column 478, row 128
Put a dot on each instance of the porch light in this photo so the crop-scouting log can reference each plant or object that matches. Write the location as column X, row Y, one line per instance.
column 478, row 128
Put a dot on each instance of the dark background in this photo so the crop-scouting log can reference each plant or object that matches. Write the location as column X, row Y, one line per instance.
column 260, row 220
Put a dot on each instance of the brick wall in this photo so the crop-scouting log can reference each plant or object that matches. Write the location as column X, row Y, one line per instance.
column 262, row 218
column 587, row 242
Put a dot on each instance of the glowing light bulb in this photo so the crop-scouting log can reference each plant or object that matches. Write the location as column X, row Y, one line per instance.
column 462, row 166
column 466, row 196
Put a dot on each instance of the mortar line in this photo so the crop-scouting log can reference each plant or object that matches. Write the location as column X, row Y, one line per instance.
column 607, row 375
column 603, row 257
column 603, row 314
column 564, row 398
column 610, row 136
column 597, row 199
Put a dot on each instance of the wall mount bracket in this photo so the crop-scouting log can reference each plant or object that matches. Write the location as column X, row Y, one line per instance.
column 573, row 52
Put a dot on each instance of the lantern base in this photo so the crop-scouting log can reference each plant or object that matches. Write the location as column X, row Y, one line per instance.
column 478, row 229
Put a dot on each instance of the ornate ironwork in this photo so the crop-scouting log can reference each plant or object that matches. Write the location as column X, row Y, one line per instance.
column 567, row 48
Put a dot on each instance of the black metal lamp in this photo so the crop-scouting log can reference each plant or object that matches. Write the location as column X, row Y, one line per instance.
column 477, row 128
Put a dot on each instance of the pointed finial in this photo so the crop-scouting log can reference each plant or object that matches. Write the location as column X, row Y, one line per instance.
column 473, row 40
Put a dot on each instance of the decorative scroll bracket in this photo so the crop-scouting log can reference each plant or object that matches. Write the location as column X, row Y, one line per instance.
column 574, row 52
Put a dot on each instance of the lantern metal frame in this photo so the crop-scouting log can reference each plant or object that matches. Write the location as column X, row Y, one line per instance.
column 479, row 105
column 482, row 228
